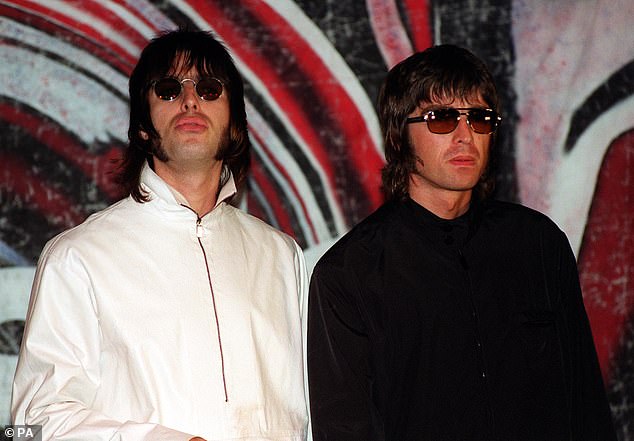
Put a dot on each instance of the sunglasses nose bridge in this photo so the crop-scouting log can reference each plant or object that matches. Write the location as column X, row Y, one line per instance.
column 466, row 115
column 187, row 80
column 187, row 92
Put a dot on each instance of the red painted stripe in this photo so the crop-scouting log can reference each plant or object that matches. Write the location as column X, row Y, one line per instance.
column 19, row 179
column 269, row 191
column 607, row 251
column 255, row 208
column 288, row 181
column 418, row 12
column 79, row 34
column 97, row 168
column 139, row 39
column 336, row 101
column 95, row 8
column 241, row 45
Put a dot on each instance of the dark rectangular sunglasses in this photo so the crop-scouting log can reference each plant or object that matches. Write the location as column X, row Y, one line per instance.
column 170, row 88
column 445, row 120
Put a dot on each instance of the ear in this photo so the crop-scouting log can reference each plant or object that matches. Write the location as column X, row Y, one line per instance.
column 144, row 135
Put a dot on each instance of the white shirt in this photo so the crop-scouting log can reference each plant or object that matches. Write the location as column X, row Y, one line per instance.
column 123, row 340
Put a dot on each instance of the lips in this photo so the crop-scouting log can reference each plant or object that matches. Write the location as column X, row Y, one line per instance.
column 191, row 124
column 463, row 160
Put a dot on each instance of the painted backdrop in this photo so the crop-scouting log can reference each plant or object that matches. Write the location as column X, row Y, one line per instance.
column 312, row 71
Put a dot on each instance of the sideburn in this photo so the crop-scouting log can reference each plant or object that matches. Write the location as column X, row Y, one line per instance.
column 157, row 150
column 224, row 145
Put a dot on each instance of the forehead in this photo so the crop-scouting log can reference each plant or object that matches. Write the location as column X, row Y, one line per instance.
column 184, row 66
column 181, row 68
column 446, row 94
column 471, row 101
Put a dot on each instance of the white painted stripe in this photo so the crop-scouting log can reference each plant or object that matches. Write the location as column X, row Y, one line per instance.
column 154, row 15
column 335, row 209
column 389, row 31
column 123, row 12
column 257, row 84
column 43, row 41
column 304, row 189
column 11, row 256
column 574, row 181
column 73, row 100
column 335, row 63
column 264, row 203
column 82, row 16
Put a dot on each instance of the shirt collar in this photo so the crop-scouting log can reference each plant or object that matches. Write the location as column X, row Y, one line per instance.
column 157, row 186
column 462, row 228
column 425, row 215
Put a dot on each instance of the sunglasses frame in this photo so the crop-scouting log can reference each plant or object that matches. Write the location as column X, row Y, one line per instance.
column 181, row 83
column 496, row 118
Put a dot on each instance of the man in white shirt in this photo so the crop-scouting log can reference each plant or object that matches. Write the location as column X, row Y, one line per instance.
column 170, row 315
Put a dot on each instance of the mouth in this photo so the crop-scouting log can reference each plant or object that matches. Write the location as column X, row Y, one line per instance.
column 191, row 124
column 463, row 161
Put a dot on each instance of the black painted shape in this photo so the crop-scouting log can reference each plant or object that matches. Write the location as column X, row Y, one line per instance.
column 485, row 28
column 25, row 227
column 620, row 387
column 618, row 87
column 11, row 336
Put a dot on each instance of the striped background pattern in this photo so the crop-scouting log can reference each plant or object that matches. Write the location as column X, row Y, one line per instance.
column 312, row 70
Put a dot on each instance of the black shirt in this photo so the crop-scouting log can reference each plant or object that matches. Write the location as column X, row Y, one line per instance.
column 467, row 329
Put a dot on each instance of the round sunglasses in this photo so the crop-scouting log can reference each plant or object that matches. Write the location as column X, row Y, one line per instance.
column 170, row 88
column 445, row 120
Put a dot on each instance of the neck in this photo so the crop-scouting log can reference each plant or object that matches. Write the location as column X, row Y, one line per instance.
column 199, row 187
column 445, row 205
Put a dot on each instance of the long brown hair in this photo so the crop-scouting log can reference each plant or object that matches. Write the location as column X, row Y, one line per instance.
column 436, row 74
column 197, row 49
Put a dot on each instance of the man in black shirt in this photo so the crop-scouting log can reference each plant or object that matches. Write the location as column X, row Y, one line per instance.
column 446, row 315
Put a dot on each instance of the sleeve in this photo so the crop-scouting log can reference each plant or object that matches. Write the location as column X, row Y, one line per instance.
column 58, row 373
column 302, row 289
column 339, row 361
column 591, row 418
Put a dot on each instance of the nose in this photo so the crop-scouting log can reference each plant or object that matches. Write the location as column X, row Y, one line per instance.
column 189, row 98
column 463, row 132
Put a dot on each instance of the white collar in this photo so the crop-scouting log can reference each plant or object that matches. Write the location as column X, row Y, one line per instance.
column 156, row 185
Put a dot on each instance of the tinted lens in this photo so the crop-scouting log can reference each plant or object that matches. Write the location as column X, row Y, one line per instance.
column 167, row 89
column 208, row 88
column 483, row 121
column 443, row 121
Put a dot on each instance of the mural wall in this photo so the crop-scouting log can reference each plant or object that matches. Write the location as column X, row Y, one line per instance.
column 312, row 69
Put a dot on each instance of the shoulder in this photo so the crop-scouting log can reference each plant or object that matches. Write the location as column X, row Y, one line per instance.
column 364, row 241
column 518, row 221
column 98, row 220
column 97, row 225
column 509, row 212
column 255, row 229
